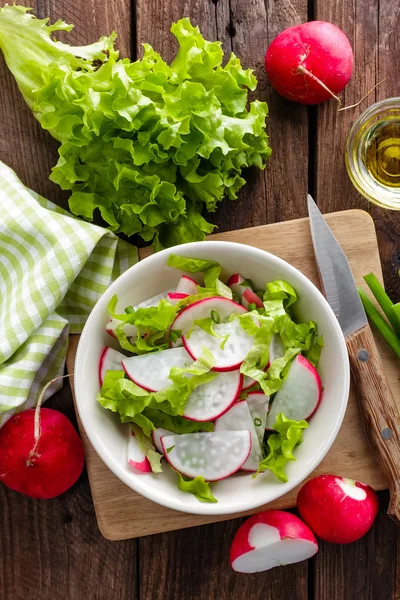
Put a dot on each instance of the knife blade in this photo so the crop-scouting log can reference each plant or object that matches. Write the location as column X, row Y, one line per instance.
column 378, row 409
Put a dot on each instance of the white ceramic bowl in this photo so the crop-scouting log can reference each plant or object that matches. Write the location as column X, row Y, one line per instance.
column 239, row 492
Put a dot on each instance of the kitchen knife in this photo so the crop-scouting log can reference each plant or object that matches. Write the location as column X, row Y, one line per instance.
column 379, row 412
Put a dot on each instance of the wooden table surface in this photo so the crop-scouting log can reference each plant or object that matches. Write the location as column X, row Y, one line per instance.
column 53, row 550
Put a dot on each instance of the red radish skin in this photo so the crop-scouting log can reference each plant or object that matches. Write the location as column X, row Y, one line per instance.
column 250, row 297
column 57, row 462
column 135, row 457
column 174, row 297
column 303, row 59
column 187, row 285
column 338, row 510
column 270, row 539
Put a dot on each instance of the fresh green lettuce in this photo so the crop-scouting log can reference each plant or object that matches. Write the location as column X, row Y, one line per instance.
column 209, row 268
column 280, row 445
column 197, row 486
column 174, row 423
column 147, row 447
column 144, row 144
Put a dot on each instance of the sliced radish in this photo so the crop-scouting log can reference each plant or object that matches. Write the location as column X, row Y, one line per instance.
column 270, row 539
column 174, row 297
column 202, row 309
column 211, row 400
column 250, row 297
column 135, row 457
column 258, row 407
column 212, row 455
column 151, row 371
column 187, row 285
column 300, row 393
column 236, row 419
column 156, row 435
column 153, row 301
column 248, row 382
column 235, row 282
column 110, row 360
column 234, row 351
column 129, row 329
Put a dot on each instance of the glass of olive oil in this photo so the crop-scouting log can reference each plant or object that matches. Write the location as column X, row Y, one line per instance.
column 373, row 153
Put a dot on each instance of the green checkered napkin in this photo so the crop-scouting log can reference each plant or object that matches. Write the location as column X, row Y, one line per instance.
column 53, row 269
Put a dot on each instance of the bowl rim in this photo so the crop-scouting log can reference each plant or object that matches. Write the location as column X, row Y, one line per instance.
column 202, row 508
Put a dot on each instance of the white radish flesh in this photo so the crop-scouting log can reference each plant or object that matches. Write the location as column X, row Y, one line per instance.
column 234, row 351
column 210, row 400
column 235, row 282
column 212, row 455
column 110, row 360
column 187, row 285
column 300, row 393
column 129, row 329
column 236, row 419
column 258, row 407
column 151, row 371
column 135, row 457
column 156, row 435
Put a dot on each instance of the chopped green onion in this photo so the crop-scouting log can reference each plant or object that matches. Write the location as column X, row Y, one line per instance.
column 380, row 323
column 383, row 300
column 257, row 422
column 215, row 317
column 252, row 306
column 129, row 310
column 174, row 335
column 222, row 344
column 170, row 448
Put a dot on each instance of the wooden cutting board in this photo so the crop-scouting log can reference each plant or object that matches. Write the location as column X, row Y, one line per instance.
column 123, row 514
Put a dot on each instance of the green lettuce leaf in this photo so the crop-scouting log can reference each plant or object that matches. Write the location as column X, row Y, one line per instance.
column 147, row 447
column 197, row 486
column 280, row 290
column 174, row 423
column 280, row 446
column 210, row 269
column 145, row 145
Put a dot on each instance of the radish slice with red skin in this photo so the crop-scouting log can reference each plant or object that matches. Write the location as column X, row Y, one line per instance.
column 174, row 297
column 250, row 297
column 201, row 309
column 236, row 419
column 271, row 539
column 234, row 282
column 338, row 509
column 212, row 455
column 209, row 401
column 248, row 382
column 156, row 436
column 135, row 457
column 187, row 286
column 110, row 360
column 151, row 371
column 228, row 358
column 300, row 393
column 129, row 329
column 258, row 407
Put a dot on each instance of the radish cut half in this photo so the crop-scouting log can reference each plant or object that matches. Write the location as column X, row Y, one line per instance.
column 201, row 309
column 129, row 329
column 248, row 382
column 270, row 539
column 212, row 455
column 156, row 436
column 235, row 349
column 210, row 400
column 187, row 286
column 258, row 407
column 234, row 282
column 236, row 419
column 151, row 371
column 250, row 297
column 300, row 393
column 135, row 457
column 110, row 360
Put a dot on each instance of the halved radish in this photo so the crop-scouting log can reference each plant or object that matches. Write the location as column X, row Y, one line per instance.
column 156, row 436
column 272, row 538
column 236, row 419
column 248, row 382
column 211, row 400
column 174, row 297
column 235, row 282
column 135, row 457
column 110, row 360
column 201, row 309
column 187, row 285
column 151, row 371
column 250, row 297
column 233, row 352
column 258, row 406
column 212, row 455
column 129, row 329
column 300, row 393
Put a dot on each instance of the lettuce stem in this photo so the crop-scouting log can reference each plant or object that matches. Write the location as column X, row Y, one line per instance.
column 383, row 300
column 382, row 326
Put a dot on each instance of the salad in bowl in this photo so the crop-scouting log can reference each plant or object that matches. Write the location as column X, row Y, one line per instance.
column 215, row 381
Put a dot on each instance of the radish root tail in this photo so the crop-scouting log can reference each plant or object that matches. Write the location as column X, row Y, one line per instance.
column 33, row 455
column 363, row 98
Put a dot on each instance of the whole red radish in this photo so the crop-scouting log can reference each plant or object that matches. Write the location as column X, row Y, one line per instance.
column 270, row 539
column 337, row 509
column 42, row 466
column 309, row 63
